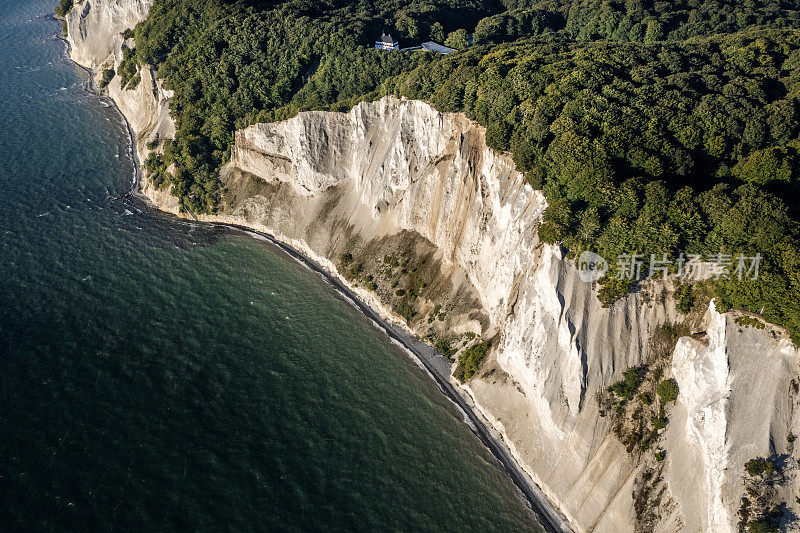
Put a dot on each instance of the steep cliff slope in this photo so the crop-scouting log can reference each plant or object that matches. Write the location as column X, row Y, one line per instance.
column 439, row 232
column 95, row 27
column 94, row 33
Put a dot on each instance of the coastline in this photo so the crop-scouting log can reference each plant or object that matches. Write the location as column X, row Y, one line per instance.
column 434, row 363
column 438, row 368
column 91, row 88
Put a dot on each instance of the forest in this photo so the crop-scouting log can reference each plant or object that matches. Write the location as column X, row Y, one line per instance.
column 652, row 127
column 666, row 148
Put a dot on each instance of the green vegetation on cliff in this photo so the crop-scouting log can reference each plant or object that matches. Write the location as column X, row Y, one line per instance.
column 108, row 75
column 232, row 64
column 761, row 508
column 470, row 360
column 653, row 127
column 63, row 7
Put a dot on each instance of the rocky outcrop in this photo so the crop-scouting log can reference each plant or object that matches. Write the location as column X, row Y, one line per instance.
column 95, row 27
column 94, row 33
column 416, row 202
column 364, row 178
column 738, row 401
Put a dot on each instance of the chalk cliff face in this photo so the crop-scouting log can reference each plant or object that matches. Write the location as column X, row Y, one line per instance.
column 738, row 401
column 94, row 33
column 95, row 27
column 398, row 179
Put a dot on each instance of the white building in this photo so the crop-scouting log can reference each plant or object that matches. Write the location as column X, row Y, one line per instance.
column 386, row 42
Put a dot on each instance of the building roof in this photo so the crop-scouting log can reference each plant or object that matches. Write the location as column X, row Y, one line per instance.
column 386, row 39
column 431, row 46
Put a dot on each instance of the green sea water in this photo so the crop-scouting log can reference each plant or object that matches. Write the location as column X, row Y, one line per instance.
column 159, row 375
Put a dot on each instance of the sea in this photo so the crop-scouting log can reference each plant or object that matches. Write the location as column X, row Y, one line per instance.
column 163, row 375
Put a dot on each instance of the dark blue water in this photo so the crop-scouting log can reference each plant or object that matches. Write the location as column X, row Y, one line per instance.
column 160, row 375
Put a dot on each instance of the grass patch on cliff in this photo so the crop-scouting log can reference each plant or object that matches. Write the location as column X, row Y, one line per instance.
column 664, row 339
column 748, row 321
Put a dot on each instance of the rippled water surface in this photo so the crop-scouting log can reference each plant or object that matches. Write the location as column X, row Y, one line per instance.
column 159, row 375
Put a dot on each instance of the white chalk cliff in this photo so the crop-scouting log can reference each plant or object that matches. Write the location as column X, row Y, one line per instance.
column 398, row 175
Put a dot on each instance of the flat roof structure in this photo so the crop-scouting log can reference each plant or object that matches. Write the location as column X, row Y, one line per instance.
column 431, row 46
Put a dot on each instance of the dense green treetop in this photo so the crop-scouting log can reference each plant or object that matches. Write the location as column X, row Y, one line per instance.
column 63, row 7
column 635, row 20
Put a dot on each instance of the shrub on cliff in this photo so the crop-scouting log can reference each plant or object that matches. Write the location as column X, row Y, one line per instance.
column 759, row 467
column 626, row 388
column 470, row 360
column 108, row 75
column 128, row 68
column 667, row 390
column 762, row 526
column 157, row 170
column 445, row 349
column 64, row 7
column 612, row 289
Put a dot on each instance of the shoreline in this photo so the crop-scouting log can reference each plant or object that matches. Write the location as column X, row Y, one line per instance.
column 438, row 368
column 91, row 88
column 435, row 364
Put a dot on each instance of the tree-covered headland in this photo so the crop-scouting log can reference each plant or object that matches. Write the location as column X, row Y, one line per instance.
column 653, row 127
